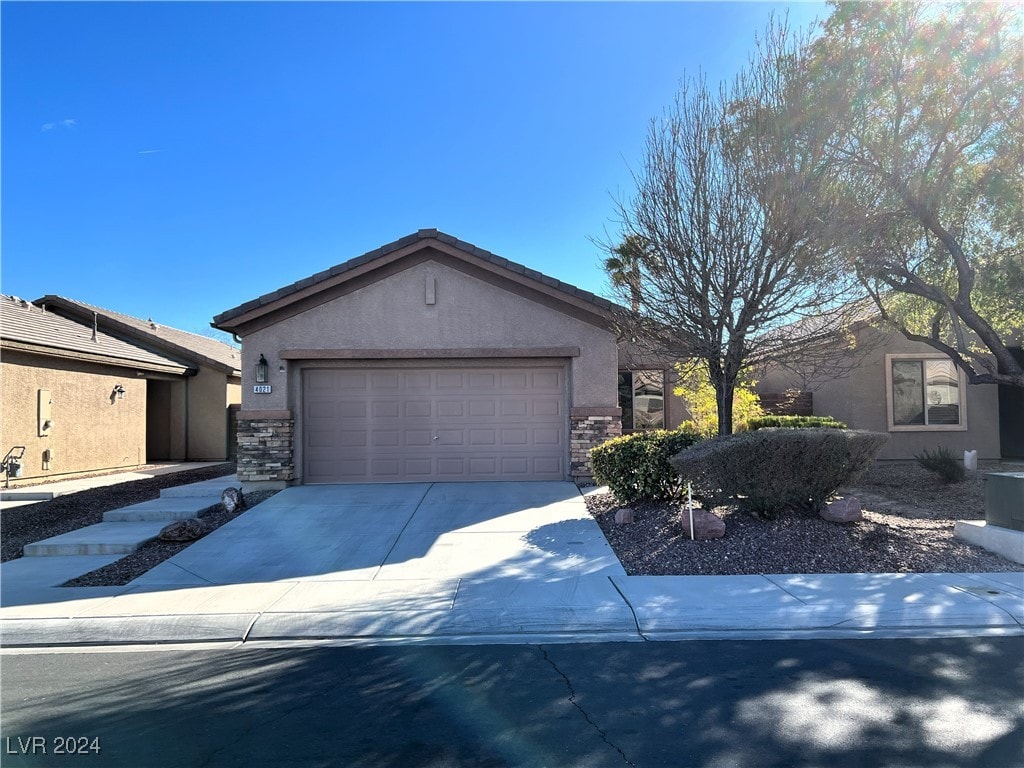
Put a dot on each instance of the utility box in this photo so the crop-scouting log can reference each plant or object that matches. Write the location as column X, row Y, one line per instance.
column 1004, row 499
column 45, row 413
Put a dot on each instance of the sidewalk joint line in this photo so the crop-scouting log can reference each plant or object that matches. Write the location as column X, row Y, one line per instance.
column 632, row 611
column 771, row 581
column 399, row 536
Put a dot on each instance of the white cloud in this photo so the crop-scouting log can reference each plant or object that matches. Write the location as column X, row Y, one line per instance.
column 149, row 151
column 67, row 122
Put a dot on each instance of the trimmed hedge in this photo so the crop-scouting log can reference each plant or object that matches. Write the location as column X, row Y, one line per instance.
column 772, row 469
column 794, row 422
column 636, row 467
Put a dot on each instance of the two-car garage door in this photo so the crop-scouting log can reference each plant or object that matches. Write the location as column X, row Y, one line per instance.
column 409, row 424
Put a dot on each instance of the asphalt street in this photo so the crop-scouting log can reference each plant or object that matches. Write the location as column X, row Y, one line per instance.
column 939, row 702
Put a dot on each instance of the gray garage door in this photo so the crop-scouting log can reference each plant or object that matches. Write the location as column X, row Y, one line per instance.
column 386, row 425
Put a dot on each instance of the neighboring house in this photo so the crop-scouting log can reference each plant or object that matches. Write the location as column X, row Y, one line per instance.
column 86, row 389
column 430, row 359
column 919, row 397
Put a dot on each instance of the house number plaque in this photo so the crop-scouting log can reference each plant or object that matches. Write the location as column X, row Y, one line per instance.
column 261, row 389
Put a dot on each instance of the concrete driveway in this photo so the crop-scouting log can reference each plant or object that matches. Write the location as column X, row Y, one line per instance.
column 401, row 560
column 401, row 532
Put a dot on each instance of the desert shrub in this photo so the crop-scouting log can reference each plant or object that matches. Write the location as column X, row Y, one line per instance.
column 944, row 463
column 771, row 469
column 636, row 467
column 795, row 422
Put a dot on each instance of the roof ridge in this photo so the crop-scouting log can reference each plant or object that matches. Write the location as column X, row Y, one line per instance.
column 394, row 245
column 137, row 319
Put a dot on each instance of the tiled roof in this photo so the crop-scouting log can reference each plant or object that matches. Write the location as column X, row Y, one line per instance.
column 188, row 346
column 25, row 323
column 423, row 234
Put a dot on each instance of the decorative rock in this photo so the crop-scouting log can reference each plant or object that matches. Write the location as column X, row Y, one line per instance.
column 232, row 499
column 842, row 511
column 624, row 516
column 706, row 525
column 183, row 530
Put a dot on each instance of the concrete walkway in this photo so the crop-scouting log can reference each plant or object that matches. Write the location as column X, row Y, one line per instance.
column 21, row 494
column 482, row 562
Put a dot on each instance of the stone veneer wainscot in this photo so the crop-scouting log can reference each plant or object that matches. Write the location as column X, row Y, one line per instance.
column 588, row 428
column 266, row 446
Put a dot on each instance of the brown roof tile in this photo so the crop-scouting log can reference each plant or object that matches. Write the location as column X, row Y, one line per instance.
column 181, row 344
column 25, row 323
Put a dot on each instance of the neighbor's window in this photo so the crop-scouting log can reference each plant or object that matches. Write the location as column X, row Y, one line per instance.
column 925, row 392
column 642, row 399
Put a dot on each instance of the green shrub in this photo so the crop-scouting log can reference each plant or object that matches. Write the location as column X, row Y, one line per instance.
column 795, row 422
column 771, row 469
column 944, row 463
column 636, row 467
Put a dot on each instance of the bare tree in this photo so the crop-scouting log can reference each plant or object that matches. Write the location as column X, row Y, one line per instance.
column 733, row 273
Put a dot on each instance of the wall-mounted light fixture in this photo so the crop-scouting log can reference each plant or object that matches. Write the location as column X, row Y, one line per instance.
column 118, row 392
column 262, row 370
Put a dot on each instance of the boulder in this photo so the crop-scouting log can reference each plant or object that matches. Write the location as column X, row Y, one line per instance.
column 706, row 525
column 232, row 499
column 842, row 511
column 624, row 516
column 183, row 530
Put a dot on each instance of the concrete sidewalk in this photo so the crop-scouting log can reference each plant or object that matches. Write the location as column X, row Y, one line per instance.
column 516, row 610
column 18, row 495
column 424, row 563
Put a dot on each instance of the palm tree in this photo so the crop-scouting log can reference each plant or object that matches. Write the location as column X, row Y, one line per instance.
column 624, row 266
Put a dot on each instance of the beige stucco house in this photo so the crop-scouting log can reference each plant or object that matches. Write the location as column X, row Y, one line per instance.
column 919, row 397
column 87, row 389
column 432, row 359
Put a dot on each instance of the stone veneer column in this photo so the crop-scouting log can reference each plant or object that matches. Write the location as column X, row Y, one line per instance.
column 266, row 447
column 588, row 428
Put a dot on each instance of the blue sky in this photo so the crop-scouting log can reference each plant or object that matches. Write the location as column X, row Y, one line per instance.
column 173, row 160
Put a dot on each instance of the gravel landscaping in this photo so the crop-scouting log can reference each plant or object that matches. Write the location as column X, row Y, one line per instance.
column 907, row 527
column 34, row 522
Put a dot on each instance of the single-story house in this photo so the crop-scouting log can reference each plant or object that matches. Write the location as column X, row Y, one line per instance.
column 86, row 389
column 432, row 359
column 918, row 396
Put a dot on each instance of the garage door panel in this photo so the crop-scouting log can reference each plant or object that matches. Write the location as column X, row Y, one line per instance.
column 547, row 436
column 389, row 438
column 547, row 407
column 515, row 466
column 417, row 409
column 514, row 407
column 418, row 380
column 487, row 436
column 434, row 424
column 386, row 409
column 346, row 380
column 514, row 381
column 414, row 437
column 419, row 467
column 450, row 409
column 546, row 380
column 347, row 409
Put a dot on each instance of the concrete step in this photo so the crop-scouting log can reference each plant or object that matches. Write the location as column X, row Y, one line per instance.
column 99, row 539
column 29, row 494
column 205, row 489
column 167, row 510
